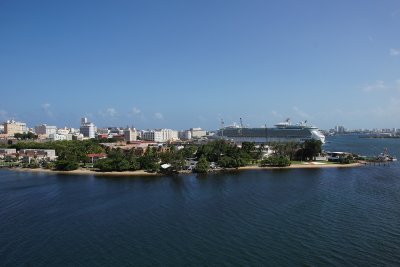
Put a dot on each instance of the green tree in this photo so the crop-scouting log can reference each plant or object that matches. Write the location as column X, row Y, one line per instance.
column 66, row 165
column 276, row 161
column 25, row 136
column 133, row 160
column 202, row 165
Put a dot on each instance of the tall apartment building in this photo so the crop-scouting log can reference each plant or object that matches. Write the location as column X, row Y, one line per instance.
column 45, row 129
column 130, row 134
column 339, row 129
column 88, row 129
column 13, row 127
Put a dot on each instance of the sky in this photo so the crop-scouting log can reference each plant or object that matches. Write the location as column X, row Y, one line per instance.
column 182, row 64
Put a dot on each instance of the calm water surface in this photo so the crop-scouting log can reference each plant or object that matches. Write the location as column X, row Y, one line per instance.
column 320, row 217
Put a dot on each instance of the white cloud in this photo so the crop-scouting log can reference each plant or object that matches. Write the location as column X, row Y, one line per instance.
column 390, row 110
column 394, row 52
column 47, row 110
column 111, row 112
column 377, row 86
column 300, row 113
column 136, row 111
column 46, row 105
column 158, row 116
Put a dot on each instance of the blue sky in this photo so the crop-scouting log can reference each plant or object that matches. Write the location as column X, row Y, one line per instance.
column 182, row 64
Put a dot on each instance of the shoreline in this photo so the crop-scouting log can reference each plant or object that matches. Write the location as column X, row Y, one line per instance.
column 86, row 172
column 144, row 173
column 304, row 166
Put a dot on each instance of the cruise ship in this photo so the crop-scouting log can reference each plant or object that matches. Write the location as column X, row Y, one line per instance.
column 283, row 132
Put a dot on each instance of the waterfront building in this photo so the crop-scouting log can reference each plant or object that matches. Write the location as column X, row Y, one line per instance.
column 4, row 152
column 12, row 127
column 96, row 157
column 45, row 129
column 340, row 129
column 88, row 129
column 130, row 134
column 48, row 154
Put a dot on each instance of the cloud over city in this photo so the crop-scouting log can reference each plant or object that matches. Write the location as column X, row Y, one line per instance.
column 158, row 116
column 394, row 52
column 47, row 110
column 377, row 86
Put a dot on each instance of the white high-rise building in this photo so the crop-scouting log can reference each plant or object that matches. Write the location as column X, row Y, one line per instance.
column 130, row 134
column 339, row 129
column 88, row 129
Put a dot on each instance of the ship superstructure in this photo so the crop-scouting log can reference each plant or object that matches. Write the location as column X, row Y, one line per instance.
column 282, row 132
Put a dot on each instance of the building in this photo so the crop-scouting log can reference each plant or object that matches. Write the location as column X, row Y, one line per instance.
column 198, row 132
column 37, row 154
column 152, row 135
column 58, row 137
column 185, row 135
column 130, row 134
column 339, row 129
column 4, row 152
column 78, row 137
column 63, row 131
column 87, row 129
column 7, row 151
column 45, row 129
column 160, row 135
column 13, row 127
column 96, row 157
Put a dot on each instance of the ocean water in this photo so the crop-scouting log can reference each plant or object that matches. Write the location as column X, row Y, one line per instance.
column 304, row 217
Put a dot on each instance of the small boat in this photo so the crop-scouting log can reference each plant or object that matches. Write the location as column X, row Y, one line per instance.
column 385, row 156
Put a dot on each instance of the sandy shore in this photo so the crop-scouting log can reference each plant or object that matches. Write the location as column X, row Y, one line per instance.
column 89, row 172
column 306, row 165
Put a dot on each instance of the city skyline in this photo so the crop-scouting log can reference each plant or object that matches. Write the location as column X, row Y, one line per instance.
column 180, row 65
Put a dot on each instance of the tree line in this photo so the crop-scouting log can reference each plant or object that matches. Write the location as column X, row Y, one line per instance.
column 224, row 154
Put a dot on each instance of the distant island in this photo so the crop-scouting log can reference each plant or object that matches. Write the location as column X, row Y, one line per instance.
column 141, row 158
